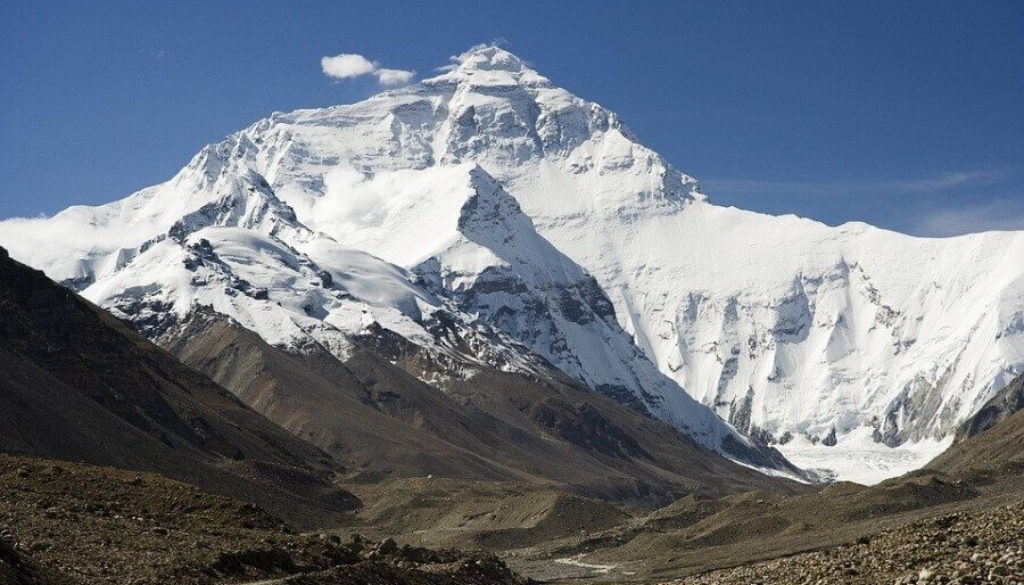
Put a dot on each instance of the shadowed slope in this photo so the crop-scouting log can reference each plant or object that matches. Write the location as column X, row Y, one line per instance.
column 80, row 385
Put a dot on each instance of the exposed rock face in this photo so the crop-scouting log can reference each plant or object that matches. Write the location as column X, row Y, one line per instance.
column 992, row 442
column 1004, row 404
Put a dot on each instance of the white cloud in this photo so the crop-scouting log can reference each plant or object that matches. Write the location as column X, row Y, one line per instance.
column 393, row 76
column 350, row 198
column 346, row 65
column 349, row 65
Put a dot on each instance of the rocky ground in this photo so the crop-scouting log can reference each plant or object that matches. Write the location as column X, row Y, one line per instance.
column 72, row 524
column 93, row 525
column 964, row 547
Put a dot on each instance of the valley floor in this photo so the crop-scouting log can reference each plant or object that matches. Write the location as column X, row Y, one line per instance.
column 72, row 524
column 93, row 525
column 65, row 524
column 844, row 533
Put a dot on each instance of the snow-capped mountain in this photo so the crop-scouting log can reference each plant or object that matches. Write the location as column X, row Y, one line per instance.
column 535, row 221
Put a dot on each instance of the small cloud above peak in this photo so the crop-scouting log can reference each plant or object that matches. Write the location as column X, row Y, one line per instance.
column 346, row 65
column 351, row 65
column 393, row 76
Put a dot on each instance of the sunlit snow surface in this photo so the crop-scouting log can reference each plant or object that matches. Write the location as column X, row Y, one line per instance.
column 860, row 459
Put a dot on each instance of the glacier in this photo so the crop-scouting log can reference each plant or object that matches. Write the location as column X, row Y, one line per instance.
column 535, row 220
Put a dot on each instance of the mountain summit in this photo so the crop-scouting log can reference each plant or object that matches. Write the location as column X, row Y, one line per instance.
column 493, row 60
column 489, row 216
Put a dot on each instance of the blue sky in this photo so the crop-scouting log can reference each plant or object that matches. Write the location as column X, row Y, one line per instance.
column 908, row 115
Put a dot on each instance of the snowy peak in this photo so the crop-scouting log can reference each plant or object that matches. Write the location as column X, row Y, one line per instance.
column 500, row 269
column 492, row 219
column 540, row 222
column 247, row 202
column 489, row 66
column 315, row 226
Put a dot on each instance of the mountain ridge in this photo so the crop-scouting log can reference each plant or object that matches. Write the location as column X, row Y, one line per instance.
column 792, row 331
column 372, row 410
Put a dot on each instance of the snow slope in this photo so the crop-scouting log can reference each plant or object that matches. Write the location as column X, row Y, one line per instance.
column 491, row 191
